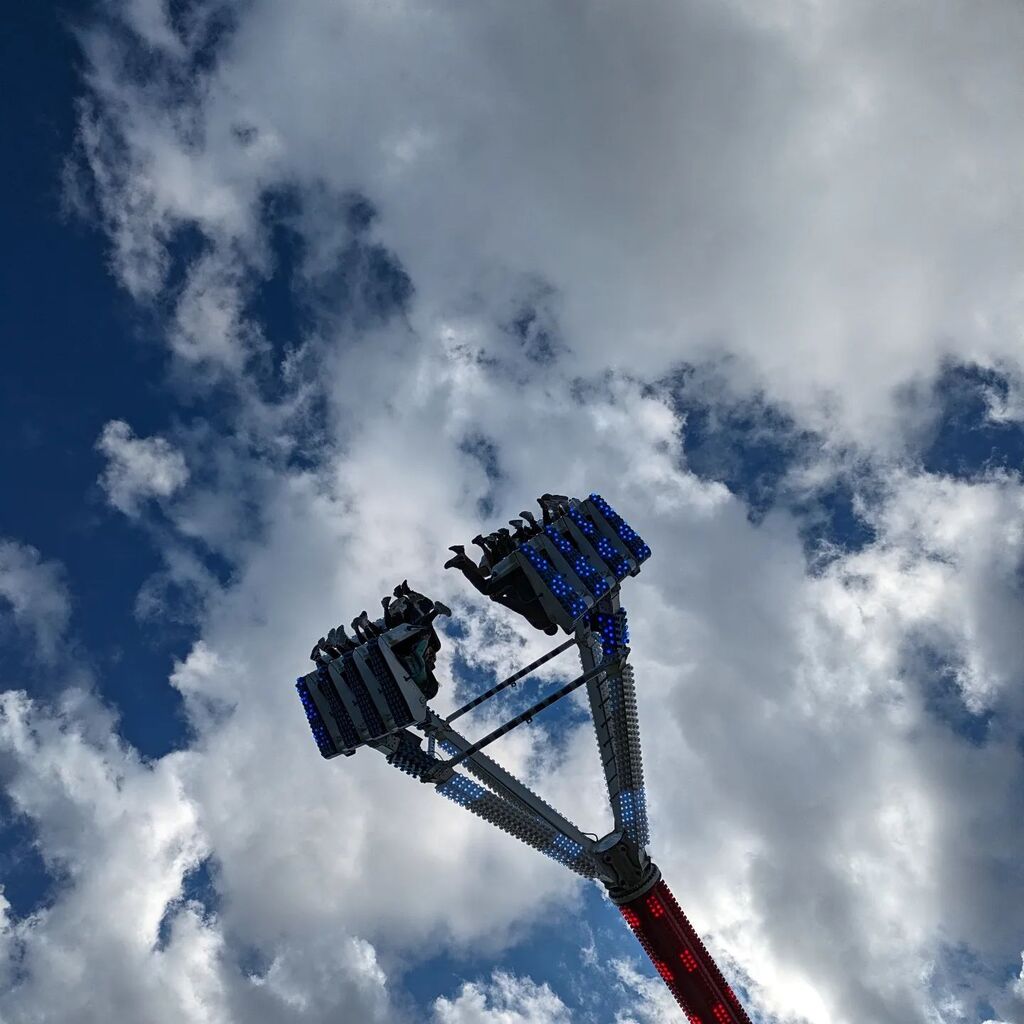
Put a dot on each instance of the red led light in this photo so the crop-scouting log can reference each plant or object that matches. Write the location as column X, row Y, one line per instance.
column 654, row 906
column 689, row 960
column 673, row 945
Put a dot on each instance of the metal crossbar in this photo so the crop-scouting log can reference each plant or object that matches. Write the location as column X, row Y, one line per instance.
column 528, row 714
column 512, row 680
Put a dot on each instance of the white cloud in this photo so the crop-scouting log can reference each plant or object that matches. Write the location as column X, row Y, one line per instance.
column 650, row 1002
column 838, row 806
column 121, row 835
column 138, row 468
column 811, row 189
column 149, row 18
column 819, row 820
column 36, row 595
column 210, row 328
column 505, row 999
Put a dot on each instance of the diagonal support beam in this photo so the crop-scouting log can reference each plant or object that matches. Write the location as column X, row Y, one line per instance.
column 503, row 782
column 502, row 808
column 614, row 713
column 590, row 656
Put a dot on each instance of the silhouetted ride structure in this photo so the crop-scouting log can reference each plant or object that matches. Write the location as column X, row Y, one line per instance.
column 560, row 572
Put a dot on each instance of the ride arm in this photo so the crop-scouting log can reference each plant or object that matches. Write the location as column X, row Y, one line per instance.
column 502, row 799
column 603, row 638
column 681, row 958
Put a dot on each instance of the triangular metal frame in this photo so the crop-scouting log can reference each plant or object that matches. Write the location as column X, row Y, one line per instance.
column 565, row 574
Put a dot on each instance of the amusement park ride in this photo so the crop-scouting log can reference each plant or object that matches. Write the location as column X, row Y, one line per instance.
column 562, row 572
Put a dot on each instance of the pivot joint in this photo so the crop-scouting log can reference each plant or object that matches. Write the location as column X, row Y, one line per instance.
column 624, row 868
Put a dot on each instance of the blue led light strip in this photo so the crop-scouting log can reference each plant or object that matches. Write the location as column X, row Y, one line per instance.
column 626, row 533
column 316, row 722
column 613, row 630
column 581, row 565
column 602, row 545
column 555, row 581
column 462, row 790
column 527, row 828
column 633, row 814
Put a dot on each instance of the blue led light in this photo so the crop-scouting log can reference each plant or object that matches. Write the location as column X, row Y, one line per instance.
column 582, row 522
column 316, row 723
column 465, row 792
column 581, row 565
column 613, row 630
column 555, row 581
column 563, row 849
column 612, row 558
column 626, row 533
column 608, row 552
column 632, row 805
column 461, row 790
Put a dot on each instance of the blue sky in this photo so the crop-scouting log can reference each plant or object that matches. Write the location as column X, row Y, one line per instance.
column 291, row 309
column 76, row 355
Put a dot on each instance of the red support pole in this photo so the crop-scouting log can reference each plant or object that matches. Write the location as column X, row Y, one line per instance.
column 681, row 959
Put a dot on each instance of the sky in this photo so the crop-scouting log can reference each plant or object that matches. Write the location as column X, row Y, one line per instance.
column 298, row 295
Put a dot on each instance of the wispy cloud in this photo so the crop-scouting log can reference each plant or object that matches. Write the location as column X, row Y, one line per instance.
column 505, row 999
column 33, row 593
column 138, row 468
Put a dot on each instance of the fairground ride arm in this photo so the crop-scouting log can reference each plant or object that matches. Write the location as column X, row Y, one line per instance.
column 681, row 958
